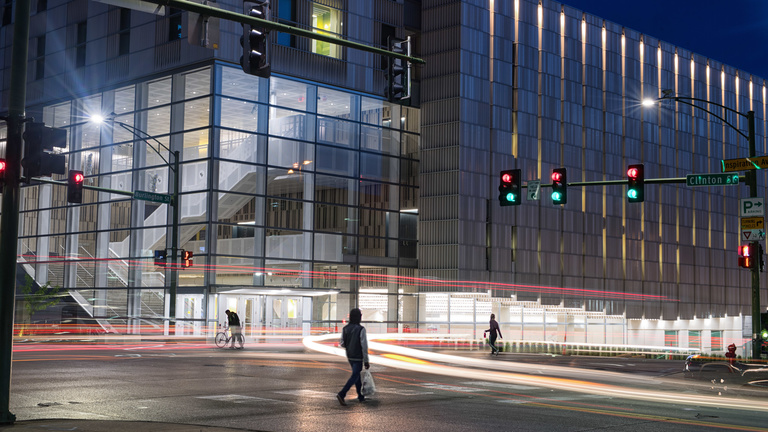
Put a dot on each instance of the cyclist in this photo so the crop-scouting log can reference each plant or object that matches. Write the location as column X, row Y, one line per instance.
column 234, row 328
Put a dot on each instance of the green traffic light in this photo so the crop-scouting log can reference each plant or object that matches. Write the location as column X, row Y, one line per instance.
column 632, row 193
column 764, row 334
column 557, row 196
column 511, row 197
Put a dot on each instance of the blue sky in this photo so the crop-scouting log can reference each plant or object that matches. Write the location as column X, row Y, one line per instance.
column 734, row 32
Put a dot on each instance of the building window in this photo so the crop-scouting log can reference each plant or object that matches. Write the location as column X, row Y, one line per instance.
column 286, row 14
column 327, row 21
column 174, row 24
column 716, row 340
column 694, row 339
column 670, row 338
column 40, row 58
column 82, row 31
column 124, row 34
column 7, row 12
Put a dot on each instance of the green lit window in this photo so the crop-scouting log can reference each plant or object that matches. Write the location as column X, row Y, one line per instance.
column 327, row 21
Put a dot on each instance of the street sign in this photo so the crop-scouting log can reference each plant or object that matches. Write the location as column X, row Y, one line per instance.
column 742, row 164
column 151, row 196
column 533, row 190
column 752, row 234
column 752, row 228
column 716, row 179
column 751, row 207
column 752, row 223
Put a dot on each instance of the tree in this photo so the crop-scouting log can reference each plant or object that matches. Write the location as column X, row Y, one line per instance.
column 45, row 296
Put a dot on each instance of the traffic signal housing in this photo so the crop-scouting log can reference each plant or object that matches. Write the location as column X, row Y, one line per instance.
column 2, row 172
column 186, row 258
column 559, row 186
column 751, row 256
column 636, row 183
column 255, row 58
column 764, row 326
column 509, row 187
column 398, row 70
column 75, row 186
column 161, row 257
column 39, row 140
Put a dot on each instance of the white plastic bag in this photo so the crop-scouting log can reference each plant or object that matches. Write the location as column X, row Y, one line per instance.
column 369, row 388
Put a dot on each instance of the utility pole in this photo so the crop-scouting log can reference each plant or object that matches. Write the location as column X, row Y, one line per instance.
column 9, row 227
column 752, row 182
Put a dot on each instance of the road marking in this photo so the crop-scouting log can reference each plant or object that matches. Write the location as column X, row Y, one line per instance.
column 240, row 399
column 453, row 388
column 309, row 393
column 553, row 399
column 501, row 385
column 402, row 392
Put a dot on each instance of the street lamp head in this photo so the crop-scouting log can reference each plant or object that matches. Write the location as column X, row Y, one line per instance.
column 96, row 119
column 649, row 102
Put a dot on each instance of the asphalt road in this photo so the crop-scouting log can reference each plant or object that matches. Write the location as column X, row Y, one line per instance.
column 294, row 390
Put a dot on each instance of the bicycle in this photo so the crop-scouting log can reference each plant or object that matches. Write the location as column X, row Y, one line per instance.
column 222, row 340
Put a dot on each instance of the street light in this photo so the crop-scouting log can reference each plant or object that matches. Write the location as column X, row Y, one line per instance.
column 174, row 167
column 751, row 181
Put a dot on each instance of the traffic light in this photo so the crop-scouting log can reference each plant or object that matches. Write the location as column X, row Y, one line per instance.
column 186, row 258
column 559, row 186
column 39, row 140
column 2, row 172
column 161, row 258
column 509, row 187
column 398, row 71
column 255, row 58
column 764, row 326
column 751, row 255
column 636, row 183
column 75, row 186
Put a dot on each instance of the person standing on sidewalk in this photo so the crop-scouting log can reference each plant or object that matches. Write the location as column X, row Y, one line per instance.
column 492, row 337
column 355, row 340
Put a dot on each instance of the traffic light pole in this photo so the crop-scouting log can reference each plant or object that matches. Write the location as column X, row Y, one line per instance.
column 751, row 180
column 172, row 289
column 9, row 228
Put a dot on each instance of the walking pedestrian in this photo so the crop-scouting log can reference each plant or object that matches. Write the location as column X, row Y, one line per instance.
column 354, row 339
column 492, row 336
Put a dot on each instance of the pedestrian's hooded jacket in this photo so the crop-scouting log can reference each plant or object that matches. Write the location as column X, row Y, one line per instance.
column 354, row 339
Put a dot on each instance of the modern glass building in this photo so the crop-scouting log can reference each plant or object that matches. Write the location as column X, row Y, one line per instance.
column 308, row 193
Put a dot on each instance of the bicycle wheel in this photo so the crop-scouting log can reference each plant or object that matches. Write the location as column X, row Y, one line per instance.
column 221, row 339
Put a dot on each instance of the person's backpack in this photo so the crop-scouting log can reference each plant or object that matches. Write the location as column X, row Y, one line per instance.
column 235, row 320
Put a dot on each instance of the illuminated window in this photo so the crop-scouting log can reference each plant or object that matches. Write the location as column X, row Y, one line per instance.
column 694, row 339
column 670, row 338
column 717, row 340
column 326, row 21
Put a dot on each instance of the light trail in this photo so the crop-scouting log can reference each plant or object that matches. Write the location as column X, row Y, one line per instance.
column 469, row 369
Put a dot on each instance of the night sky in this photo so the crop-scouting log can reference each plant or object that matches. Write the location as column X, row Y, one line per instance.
column 734, row 32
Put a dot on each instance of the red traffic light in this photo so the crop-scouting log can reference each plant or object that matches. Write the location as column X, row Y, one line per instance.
column 506, row 177
column 557, row 176
column 2, row 165
column 633, row 172
column 745, row 250
column 78, row 177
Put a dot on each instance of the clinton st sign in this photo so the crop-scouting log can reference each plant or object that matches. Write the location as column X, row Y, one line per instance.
column 727, row 179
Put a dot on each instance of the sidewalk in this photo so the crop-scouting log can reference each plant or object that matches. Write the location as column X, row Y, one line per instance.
column 108, row 426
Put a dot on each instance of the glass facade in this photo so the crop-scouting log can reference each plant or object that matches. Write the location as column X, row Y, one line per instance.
column 290, row 195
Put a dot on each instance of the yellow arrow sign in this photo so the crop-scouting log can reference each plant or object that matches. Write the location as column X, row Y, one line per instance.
column 752, row 223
